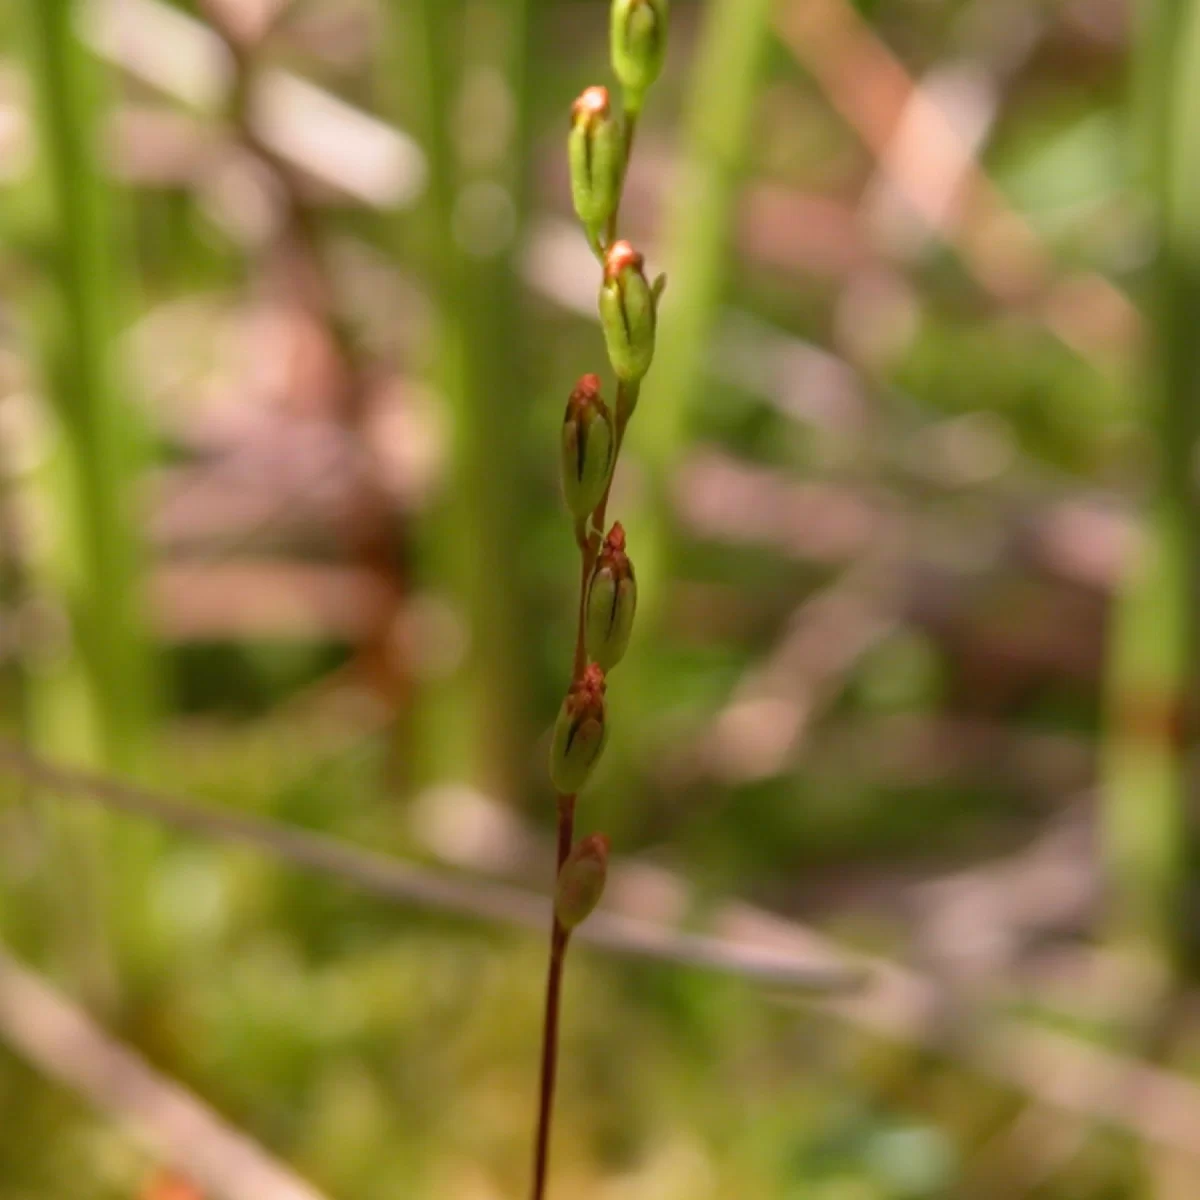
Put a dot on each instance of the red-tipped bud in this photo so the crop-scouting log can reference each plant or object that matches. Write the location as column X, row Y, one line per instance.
column 595, row 153
column 611, row 602
column 580, row 733
column 581, row 880
column 588, row 447
column 627, row 312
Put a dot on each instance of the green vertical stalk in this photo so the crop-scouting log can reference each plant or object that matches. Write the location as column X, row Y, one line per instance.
column 1155, row 655
column 730, row 57
column 88, row 673
column 717, row 126
column 472, row 725
column 90, row 694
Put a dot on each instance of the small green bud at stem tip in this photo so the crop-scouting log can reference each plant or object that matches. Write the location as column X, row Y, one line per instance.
column 611, row 602
column 581, row 880
column 639, row 45
column 595, row 153
column 627, row 313
column 588, row 447
column 580, row 733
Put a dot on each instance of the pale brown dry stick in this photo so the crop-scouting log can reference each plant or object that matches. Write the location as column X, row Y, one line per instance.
column 867, row 84
column 758, row 732
column 65, row 1044
column 405, row 882
column 887, row 1000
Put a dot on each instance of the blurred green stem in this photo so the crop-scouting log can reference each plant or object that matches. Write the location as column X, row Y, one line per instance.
column 88, row 663
column 470, row 726
column 90, row 693
column 1155, row 657
column 719, row 120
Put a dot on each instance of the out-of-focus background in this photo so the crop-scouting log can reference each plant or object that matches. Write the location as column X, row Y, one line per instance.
column 291, row 298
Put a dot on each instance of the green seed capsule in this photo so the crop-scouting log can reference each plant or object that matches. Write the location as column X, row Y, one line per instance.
column 639, row 45
column 581, row 880
column 627, row 313
column 611, row 602
column 588, row 447
column 580, row 733
column 595, row 149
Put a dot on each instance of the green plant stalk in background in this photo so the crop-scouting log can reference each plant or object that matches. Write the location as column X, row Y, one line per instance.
column 471, row 724
column 88, row 666
column 90, row 693
column 1155, row 655
column 730, row 57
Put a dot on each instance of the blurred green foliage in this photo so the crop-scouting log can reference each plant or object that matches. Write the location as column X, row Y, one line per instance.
column 392, row 1054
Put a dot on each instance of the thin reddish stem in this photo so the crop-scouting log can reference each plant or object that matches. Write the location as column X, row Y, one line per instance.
column 631, row 122
column 587, row 557
column 624, row 394
column 566, row 828
column 558, row 953
column 541, row 1161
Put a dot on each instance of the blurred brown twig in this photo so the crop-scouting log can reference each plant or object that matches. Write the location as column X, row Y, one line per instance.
column 870, row 88
column 64, row 1043
column 402, row 881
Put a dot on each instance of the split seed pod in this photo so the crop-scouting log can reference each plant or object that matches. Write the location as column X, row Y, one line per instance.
column 588, row 447
column 627, row 312
column 580, row 733
column 611, row 602
column 595, row 149
column 581, row 880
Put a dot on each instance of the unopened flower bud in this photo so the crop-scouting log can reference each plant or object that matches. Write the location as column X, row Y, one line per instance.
column 581, row 880
column 639, row 45
column 611, row 602
column 579, row 733
column 595, row 149
column 627, row 312
column 588, row 447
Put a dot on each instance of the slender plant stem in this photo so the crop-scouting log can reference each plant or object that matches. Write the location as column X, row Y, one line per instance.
column 541, row 1156
column 558, row 935
column 469, row 724
column 1154, row 665
column 94, row 702
column 90, row 693
column 586, row 559
column 629, row 135
column 559, row 938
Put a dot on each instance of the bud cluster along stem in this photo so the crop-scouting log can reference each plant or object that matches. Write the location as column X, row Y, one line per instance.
column 599, row 146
